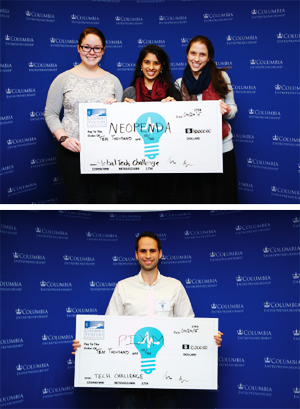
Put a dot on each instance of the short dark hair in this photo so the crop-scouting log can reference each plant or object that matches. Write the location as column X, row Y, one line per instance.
column 147, row 234
column 91, row 30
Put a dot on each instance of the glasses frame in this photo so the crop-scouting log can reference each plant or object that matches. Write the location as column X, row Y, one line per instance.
column 91, row 48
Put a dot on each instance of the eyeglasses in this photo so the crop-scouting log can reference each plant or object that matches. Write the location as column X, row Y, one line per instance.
column 87, row 49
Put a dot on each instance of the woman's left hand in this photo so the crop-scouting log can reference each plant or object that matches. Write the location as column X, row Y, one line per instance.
column 168, row 99
column 110, row 100
column 218, row 338
column 225, row 109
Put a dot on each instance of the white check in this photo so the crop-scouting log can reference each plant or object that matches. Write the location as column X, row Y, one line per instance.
column 145, row 352
column 151, row 137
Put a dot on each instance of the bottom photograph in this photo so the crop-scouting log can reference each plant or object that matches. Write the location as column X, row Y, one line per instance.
column 150, row 309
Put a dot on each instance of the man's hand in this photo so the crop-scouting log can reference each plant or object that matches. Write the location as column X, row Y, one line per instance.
column 75, row 345
column 218, row 338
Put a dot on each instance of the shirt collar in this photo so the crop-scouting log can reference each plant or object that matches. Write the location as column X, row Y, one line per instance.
column 143, row 282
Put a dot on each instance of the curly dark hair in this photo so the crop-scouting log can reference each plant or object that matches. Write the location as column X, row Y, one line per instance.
column 165, row 74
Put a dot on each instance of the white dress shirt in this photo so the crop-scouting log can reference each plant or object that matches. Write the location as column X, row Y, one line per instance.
column 166, row 297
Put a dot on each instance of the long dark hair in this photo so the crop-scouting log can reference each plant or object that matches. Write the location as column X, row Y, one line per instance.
column 91, row 30
column 165, row 74
column 217, row 79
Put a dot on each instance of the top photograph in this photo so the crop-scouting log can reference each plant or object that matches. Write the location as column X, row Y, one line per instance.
column 150, row 102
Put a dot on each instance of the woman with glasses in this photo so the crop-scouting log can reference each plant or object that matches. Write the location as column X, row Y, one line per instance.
column 86, row 82
column 152, row 82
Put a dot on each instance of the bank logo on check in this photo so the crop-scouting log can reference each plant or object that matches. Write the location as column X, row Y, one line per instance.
column 96, row 117
column 94, row 330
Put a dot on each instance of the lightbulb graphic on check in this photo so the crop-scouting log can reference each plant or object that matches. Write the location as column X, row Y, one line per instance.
column 148, row 342
column 151, row 126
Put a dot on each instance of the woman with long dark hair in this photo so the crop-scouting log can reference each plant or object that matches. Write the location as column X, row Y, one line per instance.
column 202, row 80
column 86, row 82
column 152, row 82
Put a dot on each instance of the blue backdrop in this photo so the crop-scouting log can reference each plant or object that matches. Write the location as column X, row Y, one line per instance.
column 259, row 39
column 239, row 266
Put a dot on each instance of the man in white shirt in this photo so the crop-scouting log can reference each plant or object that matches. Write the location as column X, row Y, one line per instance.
column 149, row 294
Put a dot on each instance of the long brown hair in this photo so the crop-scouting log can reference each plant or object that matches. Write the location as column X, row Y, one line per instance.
column 217, row 79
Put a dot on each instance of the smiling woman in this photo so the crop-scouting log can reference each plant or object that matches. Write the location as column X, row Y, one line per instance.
column 152, row 82
column 86, row 82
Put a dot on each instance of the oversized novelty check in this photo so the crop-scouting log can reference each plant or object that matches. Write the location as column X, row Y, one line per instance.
column 143, row 352
column 151, row 137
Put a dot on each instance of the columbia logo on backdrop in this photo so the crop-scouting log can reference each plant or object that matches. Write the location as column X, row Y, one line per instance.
column 281, row 363
column 124, row 217
column 31, row 313
column 231, row 361
column 242, row 281
column 285, row 192
column 62, row 42
column 227, row 308
column 199, row 234
column 266, row 64
column 78, row 260
column 241, row 39
column 59, row 391
column 20, row 143
column 176, row 259
column 282, row 251
column 101, row 286
column 122, row 20
column 5, row 67
column 285, row 140
column 244, row 389
column 142, row 42
column 125, row 66
column 19, row 41
column 213, row 17
column 279, row 307
column 29, row 258
column 36, row 116
column 263, row 114
column 20, row 92
column 124, row 260
column 288, row 37
column 225, row 255
column 50, row 339
column 42, row 67
column 267, row 13
column 94, row 236
column 36, row 163
column 12, row 399
column 55, row 286
column 172, row 19
column 34, row 16
column 201, row 282
column 287, row 89
column 175, row 216
column 75, row 214
column 4, row 13
column 75, row 18
column 185, row 41
column 113, row 44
